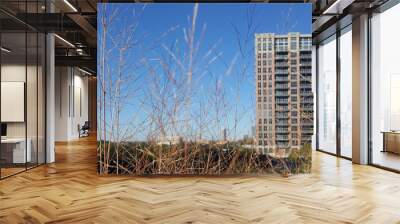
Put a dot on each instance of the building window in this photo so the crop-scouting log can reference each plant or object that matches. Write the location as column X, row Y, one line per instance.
column 346, row 93
column 327, row 95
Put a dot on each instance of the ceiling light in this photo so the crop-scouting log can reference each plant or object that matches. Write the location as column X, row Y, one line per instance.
column 70, row 5
column 5, row 50
column 65, row 41
column 84, row 71
column 337, row 7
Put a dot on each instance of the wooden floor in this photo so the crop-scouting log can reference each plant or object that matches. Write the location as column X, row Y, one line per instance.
column 70, row 191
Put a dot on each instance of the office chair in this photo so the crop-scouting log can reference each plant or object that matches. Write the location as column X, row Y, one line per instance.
column 84, row 130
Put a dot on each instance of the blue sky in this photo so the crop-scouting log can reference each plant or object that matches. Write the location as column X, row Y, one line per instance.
column 226, row 25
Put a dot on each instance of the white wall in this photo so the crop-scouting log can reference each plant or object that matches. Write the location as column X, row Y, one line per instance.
column 71, row 87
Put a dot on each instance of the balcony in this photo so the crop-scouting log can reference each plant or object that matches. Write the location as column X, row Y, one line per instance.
column 306, row 100
column 281, row 49
column 306, row 93
column 280, row 108
column 281, row 72
column 305, row 71
column 281, row 93
column 305, row 64
column 281, row 64
column 305, row 48
column 281, row 86
column 281, row 79
column 305, row 56
column 282, row 116
column 281, row 57
column 280, row 122
column 306, row 87
column 281, row 101
column 307, row 108
column 282, row 138
column 307, row 123
column 282, row 130
column 307, row 131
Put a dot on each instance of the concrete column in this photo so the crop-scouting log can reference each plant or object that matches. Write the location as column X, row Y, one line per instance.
column 360, row 90
column 50, row 92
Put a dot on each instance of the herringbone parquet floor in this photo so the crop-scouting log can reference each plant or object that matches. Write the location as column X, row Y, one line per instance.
column 70, row 191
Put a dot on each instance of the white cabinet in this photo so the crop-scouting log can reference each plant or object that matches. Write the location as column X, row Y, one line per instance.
column 19, row 154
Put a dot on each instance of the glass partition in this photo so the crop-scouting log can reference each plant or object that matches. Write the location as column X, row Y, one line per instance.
column 13, row 94
column 22, row 88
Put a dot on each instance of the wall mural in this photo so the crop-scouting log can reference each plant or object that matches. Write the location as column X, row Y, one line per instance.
column 204, row 89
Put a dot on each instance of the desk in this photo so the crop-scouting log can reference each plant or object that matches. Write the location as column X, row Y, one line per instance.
column 391, row 141
column 13, row 150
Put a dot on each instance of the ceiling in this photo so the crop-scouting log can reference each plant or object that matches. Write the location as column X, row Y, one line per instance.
column 74, row 22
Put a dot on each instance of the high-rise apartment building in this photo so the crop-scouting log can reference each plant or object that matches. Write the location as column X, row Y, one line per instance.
column 283, row 90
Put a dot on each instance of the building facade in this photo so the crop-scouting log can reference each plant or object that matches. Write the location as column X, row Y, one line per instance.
column 284, row 97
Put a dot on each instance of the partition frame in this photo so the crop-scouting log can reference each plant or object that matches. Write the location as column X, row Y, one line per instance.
column 44, row 94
